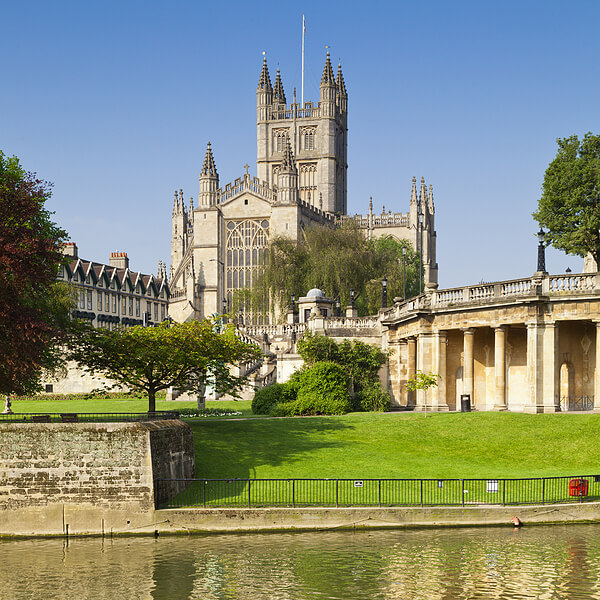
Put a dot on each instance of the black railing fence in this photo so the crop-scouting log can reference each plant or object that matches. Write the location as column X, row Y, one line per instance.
column 86, row 417
column 255, row 493
column 577, row 403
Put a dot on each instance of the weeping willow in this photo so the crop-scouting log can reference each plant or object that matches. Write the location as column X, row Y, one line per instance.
column 335, row 261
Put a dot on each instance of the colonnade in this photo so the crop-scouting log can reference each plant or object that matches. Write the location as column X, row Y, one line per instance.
column 530, row 384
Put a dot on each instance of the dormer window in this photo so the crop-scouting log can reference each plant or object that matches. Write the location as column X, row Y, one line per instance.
column 99, row 282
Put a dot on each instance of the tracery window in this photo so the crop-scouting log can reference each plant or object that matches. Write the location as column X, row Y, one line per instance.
column 307, row 138
column 247, row 241
column 308, row 182
column 279, row 138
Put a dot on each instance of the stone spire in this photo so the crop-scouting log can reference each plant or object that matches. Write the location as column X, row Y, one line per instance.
column 413, row 192
column 288, row 164
column 327, row 78
column 342, row 95
column 423, row 194
column 264, row 81
column 175, row 203
column 430, row 204
column 208, row 168
column 370, row 204
column 340, row 81
column 287, row 178
column 209, row 181
column 278, row 92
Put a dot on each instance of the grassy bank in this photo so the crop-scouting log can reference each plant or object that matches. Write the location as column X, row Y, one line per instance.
column 405, row 445
column 127, row 405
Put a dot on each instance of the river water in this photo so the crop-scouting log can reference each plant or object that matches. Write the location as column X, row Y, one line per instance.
column 533, row 562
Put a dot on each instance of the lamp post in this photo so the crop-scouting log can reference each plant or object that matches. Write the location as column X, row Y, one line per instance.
column 403, row 272
column 541, row 263
column 384, row 292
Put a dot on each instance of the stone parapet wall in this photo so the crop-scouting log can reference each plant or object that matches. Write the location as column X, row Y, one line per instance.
column 102, row 465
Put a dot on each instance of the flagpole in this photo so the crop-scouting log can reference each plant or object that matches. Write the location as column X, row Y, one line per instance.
column 302, row 86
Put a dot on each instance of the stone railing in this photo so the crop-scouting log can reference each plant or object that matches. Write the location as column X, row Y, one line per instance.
column 352, row 322
column 246, row 183
column 274, row 331
column 383, row 220
column 485, row 293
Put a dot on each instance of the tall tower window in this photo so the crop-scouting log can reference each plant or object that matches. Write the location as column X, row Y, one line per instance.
column 308, row 182
column 279, row 138
column 307, row 138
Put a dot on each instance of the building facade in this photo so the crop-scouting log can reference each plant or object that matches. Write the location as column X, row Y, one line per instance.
column 112, row 295
column 217, row 247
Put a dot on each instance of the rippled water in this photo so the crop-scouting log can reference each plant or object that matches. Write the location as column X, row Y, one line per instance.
column 534, row 562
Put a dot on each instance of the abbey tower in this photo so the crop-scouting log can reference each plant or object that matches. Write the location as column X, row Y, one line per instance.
column 217, row 247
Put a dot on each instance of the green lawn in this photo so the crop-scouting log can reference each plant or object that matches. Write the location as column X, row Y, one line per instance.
column 127, row 405
column 401, row 445
column 373, row 445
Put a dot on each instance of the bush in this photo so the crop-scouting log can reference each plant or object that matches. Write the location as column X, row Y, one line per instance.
column 372, row 397
column 321, row 390
column 267, row 397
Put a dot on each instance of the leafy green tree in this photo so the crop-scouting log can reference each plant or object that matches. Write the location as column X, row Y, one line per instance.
column 570, row 204
column 34, row 308
column 150, row 359
column 422, row 381
column 360, row 361
column 334, row 260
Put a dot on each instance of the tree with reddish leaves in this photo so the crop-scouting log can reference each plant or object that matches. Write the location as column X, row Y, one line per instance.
column 34, row 307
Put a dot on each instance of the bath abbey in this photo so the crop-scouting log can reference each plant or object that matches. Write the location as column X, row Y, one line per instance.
column 301, row 164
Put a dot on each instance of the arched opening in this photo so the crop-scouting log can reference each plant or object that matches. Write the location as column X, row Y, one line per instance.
column 567, row 386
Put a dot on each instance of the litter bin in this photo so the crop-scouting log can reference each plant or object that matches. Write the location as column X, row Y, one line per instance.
column 465, row 403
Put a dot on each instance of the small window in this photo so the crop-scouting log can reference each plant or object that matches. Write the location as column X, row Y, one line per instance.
column 82, row 299
column 89, row 300
column 130, row 306
column 114, row 303
column 137, row 308
column 246, row 201
column 112, row 284
column 87, row 279
column 99, row 282
column 99, row 305
column 49, row 388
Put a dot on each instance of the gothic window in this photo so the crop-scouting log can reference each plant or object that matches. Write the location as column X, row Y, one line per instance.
column 279, row 138
column 246, row 241
column 307, row 138
column 308, row 182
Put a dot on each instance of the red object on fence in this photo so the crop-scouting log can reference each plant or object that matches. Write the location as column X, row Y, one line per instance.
column 578, row 487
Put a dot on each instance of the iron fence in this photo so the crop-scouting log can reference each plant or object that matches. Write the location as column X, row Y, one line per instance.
column 86, row 417
column 577, row 403
column 256, row 493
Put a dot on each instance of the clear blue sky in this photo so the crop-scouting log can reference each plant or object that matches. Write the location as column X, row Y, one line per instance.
column 114, row 102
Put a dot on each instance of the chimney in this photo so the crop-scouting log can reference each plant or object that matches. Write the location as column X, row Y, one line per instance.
column 119, row 260
column 70, row 249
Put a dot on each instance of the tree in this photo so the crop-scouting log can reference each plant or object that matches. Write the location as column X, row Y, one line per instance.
column 150, row 359
column 334, row 260
column 422, row 381
column 360, row 361
column 34, row 308
column 570, row 204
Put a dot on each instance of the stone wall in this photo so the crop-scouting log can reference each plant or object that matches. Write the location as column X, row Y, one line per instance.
column 101, row 465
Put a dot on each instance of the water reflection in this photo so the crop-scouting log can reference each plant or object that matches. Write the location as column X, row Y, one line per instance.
column 534, row 562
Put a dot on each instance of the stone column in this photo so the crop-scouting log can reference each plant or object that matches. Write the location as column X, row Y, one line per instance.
column 542, row 368
column 468, row 387
column 411, row 368
column 500, row 367
column 438, row 393
column 597, row 369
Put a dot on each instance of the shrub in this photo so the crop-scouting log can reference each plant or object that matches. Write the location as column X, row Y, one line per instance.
column 321, row 390
column 268, row 396
column 372, row 397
